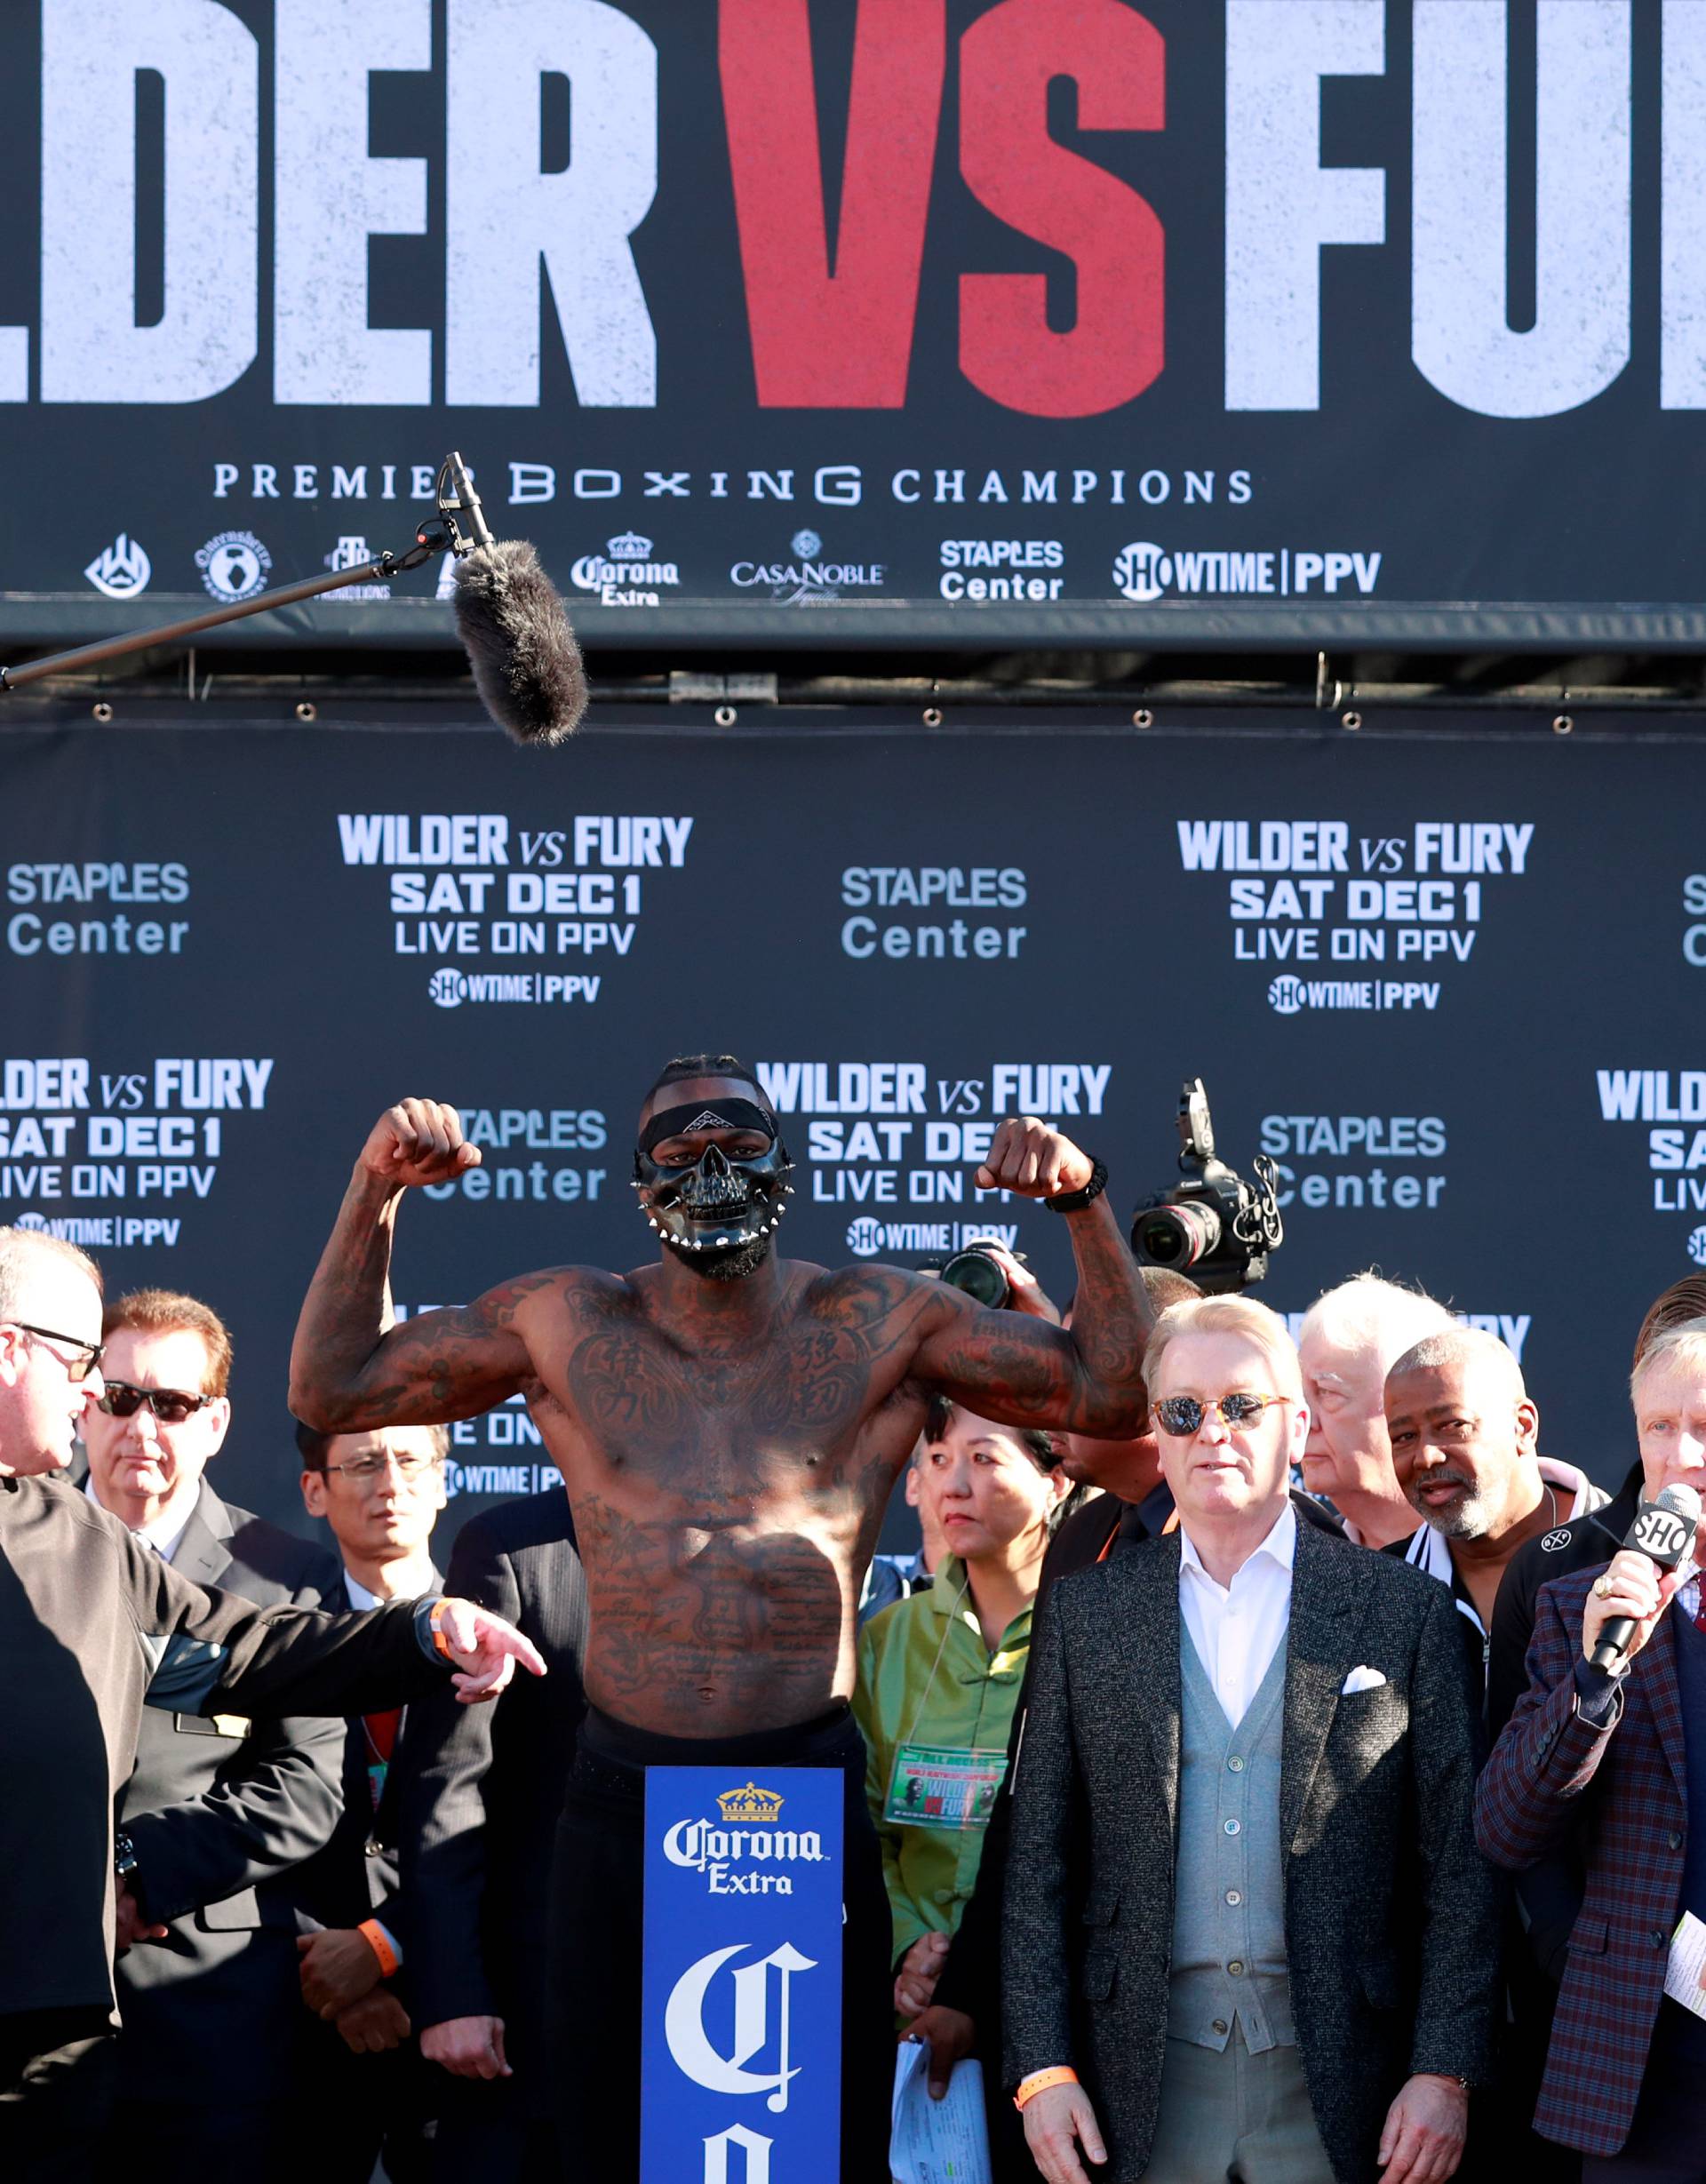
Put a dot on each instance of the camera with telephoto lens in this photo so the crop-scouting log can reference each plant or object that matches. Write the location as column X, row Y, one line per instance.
column 977, row 1271
column 1214, row 1226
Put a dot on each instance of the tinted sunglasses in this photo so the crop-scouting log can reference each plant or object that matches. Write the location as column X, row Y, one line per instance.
column 1182, row 1416
column 170, row 1405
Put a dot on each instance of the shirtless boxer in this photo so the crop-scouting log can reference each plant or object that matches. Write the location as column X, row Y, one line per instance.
column 728, row 1425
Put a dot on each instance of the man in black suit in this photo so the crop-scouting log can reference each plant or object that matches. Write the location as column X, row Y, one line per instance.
column 476, row 1827
column 1267, row 1736
column 217, row 1811
column 381, row 1494
column 94, row 1625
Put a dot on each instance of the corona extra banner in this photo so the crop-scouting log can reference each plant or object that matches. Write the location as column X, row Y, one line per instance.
column 1044, row 321
column 1451, row 981
column 740, row 2045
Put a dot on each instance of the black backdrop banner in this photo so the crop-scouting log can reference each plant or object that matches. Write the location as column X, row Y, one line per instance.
column 1451, row 981
column 1050, row 322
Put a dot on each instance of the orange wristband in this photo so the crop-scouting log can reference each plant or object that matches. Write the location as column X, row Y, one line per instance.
column 380, row 1943
column 439, row 1640
column 1040, row 2081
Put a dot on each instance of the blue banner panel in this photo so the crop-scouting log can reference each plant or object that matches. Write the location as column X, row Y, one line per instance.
column 741, row 2040
column 1449, row 981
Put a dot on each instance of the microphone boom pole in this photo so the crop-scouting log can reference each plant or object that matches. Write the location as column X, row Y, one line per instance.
column 437, row 535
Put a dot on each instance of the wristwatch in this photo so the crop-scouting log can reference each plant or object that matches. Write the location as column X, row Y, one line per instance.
column 123, row 1856
column 1069, row 1202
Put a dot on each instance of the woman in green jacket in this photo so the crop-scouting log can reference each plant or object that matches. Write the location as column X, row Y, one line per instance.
column 939, row 1673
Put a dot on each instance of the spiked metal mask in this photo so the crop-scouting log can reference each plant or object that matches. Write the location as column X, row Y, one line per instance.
column 719, row 1204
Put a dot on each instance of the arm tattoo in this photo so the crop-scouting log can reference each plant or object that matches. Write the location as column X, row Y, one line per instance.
column 1023, row 1372
column 349, row 1372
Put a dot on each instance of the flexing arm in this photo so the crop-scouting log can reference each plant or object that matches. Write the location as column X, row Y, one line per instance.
column 349, row 1369
column 1007, row 1366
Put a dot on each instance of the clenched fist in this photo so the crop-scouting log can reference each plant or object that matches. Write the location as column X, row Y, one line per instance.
column 418, row 1142
column 1029, row 1159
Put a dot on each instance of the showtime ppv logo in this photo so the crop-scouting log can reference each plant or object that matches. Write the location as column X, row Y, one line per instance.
column 1144, row 571
column 1288, row 995
column 867, row 1237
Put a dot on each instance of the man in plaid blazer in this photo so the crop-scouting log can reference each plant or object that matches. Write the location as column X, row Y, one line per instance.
column 1608, row 1766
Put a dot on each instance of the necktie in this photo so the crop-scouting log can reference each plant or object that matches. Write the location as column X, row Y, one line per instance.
column 380, row 1730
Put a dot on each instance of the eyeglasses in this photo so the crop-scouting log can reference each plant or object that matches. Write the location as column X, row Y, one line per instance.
column 1182, row 1416
column 362, row 1468
column 123, row 1399
column 75, row 1369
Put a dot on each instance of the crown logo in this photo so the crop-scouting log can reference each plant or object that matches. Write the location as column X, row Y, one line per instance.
column 749, row 1808
column 629, row 547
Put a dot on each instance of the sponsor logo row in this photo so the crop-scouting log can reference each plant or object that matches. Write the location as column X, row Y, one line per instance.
column 631, row 570
column 233, row 565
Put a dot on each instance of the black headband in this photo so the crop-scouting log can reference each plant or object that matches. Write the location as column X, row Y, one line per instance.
column 719, row 1114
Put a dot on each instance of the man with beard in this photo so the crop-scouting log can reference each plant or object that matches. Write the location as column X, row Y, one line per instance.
column 1463, row 1434
column 728, row 1425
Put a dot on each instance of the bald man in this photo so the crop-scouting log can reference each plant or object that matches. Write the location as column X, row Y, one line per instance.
column 1463, row 1429
column 728, row 1424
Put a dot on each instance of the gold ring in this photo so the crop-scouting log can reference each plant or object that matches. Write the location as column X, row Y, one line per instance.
column 1601, row 1586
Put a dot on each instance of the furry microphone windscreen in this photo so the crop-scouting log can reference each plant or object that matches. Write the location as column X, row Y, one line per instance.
column 514, row 628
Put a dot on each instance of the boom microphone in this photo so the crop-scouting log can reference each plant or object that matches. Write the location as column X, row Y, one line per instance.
column 1663, row 1531
column 514, row 628
column 510, row 618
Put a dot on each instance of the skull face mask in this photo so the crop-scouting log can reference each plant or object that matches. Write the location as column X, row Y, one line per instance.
column 719, row 1214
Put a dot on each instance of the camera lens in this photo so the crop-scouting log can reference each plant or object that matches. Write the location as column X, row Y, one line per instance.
column 1176, row 1236
column 978, row 1276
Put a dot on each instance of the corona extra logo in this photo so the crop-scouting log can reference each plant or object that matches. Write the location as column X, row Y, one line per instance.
column 630, row 548
column 750, row 1808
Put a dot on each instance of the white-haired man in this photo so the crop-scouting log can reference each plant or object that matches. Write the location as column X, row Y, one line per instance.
column 1351, row 1338
column 92, row 1625
column 1608, row 1767
column 1267, row 1737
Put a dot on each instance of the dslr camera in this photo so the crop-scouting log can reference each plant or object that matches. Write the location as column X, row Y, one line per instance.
column 1214, row 1226
column 977, row 1271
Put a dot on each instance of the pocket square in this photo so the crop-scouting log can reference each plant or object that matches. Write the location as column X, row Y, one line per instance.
column 1362, row 1679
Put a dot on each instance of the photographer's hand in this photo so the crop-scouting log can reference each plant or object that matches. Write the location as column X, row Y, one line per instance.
column 1025, row 1293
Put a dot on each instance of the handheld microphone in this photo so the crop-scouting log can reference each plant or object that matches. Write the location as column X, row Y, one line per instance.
column 1663, row 1531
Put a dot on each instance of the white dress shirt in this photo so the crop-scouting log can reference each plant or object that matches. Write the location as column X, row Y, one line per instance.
column 1237, row 1628
column 166, row 1534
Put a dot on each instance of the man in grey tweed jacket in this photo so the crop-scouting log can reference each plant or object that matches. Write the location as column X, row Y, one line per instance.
column 1247, row 1931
